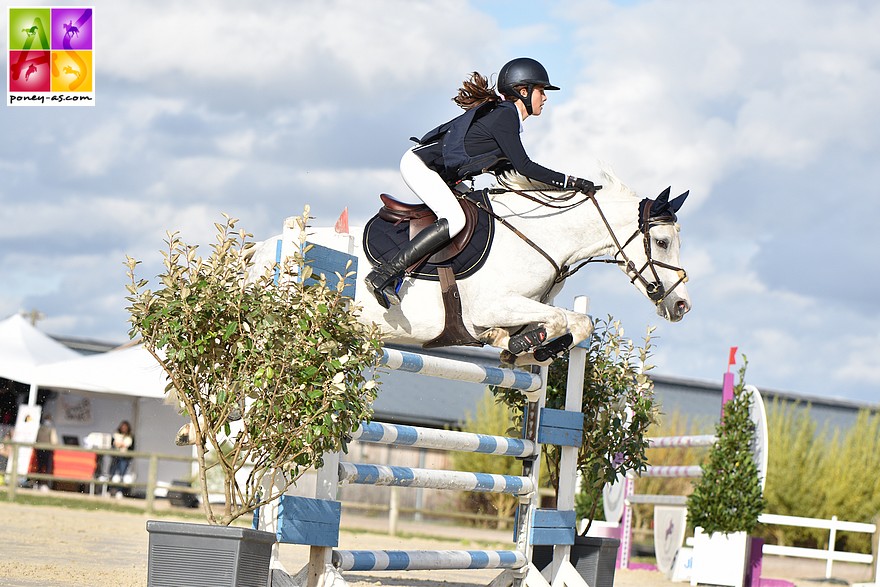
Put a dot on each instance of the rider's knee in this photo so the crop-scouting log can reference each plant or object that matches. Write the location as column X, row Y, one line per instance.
column 456, row 222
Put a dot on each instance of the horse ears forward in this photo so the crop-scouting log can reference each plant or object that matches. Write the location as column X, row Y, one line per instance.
column 675, row 205
column 660, row 206
column 663, row 207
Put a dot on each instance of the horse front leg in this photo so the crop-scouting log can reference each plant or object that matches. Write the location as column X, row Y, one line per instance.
column 499, row 318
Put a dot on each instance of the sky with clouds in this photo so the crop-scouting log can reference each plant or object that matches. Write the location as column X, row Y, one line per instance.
column 766, row 111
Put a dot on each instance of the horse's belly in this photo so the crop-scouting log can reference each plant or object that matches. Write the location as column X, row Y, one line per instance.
column 418, row 319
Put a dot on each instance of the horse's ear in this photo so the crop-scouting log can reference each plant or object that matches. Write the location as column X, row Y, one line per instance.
column 661, row 204
column 675, row 204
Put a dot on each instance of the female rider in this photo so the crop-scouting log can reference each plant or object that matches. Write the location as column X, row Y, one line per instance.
column 484, row 138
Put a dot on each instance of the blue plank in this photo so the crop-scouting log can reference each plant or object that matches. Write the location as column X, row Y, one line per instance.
column 550, row 518
column 307, row 509
column 562, row 419
column 560, row 436
column 548, row 536
column 327, row 261
column 303, row 520
column 310, row 533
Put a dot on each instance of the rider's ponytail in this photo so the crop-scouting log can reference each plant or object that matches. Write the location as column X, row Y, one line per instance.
column 475, row 91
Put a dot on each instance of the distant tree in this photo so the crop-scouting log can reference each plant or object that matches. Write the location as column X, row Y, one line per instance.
column 849, row 481
column 795, row 461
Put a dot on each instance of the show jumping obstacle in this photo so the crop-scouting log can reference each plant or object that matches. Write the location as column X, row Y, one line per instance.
column 315, row 522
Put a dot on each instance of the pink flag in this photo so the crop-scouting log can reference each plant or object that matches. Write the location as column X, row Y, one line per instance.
column 342, row 223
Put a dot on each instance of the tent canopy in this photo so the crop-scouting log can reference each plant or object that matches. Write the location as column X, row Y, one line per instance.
column 130, row 371
column 23, row 348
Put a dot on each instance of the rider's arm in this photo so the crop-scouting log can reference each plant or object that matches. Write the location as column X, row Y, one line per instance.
column 506, row 134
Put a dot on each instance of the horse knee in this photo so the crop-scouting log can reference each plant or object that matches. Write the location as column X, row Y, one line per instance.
column 497, row 337
column 557, row 324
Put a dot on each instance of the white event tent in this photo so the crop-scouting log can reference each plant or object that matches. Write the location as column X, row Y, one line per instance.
column 125, row 371
column 23, row 348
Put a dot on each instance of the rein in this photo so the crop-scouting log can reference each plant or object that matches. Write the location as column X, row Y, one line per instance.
column 655, row 289
column 560, row 272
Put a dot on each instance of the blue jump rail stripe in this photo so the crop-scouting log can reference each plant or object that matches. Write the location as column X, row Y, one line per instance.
column 412, row 560
column 414, row 436
column 460, row 370
column 369, row 474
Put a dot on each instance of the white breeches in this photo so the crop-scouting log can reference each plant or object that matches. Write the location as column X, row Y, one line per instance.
column 432, row 190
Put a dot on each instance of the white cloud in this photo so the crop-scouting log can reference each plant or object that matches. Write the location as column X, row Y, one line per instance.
column 686, row 93
column 94, row 150
column 859, row 364
column 311, row 48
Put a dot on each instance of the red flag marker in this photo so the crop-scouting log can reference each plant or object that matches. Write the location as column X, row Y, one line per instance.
column 732, row 359
column 342, row 223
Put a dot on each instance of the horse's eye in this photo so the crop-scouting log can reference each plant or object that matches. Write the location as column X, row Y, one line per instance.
column 662, row 243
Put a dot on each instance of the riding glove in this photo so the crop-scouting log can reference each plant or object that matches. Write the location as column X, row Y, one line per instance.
column 582, row 185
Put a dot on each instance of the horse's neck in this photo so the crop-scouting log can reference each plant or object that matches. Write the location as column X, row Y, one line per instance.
column 573, row 234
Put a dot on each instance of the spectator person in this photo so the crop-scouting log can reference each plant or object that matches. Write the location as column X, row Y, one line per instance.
column 123, row 440
column 46, row 435
column 5, row 453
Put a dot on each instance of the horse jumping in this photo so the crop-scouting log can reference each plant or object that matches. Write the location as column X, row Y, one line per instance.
column 542, row 236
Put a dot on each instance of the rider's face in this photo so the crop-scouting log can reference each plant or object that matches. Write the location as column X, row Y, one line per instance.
column 538, row 99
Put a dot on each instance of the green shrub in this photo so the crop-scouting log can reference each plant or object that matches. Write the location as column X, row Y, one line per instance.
column 284, row 355
column 796, row 452
column 819, row 474
column 727, row 498
column 618, row 407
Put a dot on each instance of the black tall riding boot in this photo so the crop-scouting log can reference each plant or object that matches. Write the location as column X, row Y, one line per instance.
column 382, row 281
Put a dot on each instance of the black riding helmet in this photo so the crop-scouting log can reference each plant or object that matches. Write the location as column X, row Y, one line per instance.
column 523, row 71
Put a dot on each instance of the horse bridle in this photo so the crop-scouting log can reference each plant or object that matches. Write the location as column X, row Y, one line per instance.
column 655, row 289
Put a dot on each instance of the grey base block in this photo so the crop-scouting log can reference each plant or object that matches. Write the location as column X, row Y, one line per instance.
column 199, row 555
column 282, row 579
column 592, row 557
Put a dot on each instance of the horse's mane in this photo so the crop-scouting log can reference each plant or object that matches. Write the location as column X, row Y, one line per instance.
column 604, row 176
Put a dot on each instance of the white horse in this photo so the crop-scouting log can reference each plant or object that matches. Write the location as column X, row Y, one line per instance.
column 516, row 285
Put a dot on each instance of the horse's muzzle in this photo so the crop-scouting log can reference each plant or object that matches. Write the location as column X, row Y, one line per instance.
column 679, row 308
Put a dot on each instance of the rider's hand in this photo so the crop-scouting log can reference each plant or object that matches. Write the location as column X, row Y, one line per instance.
column 582, row 185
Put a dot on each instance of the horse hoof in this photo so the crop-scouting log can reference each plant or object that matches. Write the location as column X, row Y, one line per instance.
column 186, row 435
column 508, row 358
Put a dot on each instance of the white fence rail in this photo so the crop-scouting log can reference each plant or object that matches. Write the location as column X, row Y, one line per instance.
column 830, row 555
